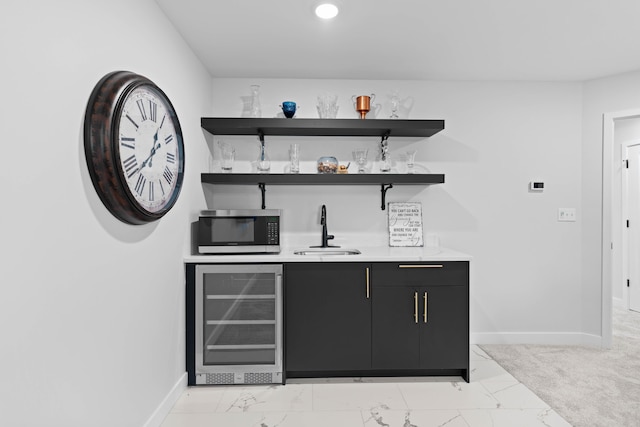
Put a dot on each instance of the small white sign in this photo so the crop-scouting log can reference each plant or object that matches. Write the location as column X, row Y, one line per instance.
column 405, row 224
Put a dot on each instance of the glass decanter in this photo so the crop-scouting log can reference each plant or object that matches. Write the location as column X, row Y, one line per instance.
column 256, row 110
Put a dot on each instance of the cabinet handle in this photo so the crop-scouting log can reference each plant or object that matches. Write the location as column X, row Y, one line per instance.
column 415, row 306
column 424, row 314
column 420, row 266
column 368, row 283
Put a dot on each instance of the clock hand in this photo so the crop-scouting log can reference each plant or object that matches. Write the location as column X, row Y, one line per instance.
column 153, row 150
column 149, row 159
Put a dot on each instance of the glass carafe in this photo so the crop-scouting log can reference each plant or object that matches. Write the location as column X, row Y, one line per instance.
column 256, row 110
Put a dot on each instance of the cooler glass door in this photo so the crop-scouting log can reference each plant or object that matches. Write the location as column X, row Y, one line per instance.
column 238, row 312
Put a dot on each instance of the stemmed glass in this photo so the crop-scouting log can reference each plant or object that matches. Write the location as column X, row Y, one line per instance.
column 360, row 157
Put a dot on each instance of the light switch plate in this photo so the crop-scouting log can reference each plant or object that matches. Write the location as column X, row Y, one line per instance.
column 567, row 214
column 536, row 186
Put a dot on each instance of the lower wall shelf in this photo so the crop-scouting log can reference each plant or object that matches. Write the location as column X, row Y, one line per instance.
column 385, row 180
column 322, row 179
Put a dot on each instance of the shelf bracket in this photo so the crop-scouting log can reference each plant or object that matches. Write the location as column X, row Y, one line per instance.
column 384, row 189
column 263, row 189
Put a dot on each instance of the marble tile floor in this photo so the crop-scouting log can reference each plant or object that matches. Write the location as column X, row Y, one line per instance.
column 493, row 398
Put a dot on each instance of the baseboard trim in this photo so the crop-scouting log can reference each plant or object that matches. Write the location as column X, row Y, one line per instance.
column 161, row 412
column 538, row 338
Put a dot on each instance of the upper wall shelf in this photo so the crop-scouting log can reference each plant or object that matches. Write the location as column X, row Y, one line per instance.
column 321, row 127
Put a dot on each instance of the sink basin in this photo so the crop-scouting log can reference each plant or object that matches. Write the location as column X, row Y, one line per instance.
column 326, row 251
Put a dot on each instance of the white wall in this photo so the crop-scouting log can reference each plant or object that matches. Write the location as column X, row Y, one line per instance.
column 91, row 309
column 526, row 277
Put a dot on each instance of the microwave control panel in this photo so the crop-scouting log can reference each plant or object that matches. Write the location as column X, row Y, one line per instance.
column 273, row 231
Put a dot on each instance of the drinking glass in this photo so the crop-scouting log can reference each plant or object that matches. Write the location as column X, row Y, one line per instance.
column 327, row 106
column 360, row 157
column 228, row 154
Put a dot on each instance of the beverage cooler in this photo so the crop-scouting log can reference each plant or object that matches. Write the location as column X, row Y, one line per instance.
column 234, row 324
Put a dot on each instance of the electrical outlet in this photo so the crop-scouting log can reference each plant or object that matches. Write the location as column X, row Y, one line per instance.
column 567, row 214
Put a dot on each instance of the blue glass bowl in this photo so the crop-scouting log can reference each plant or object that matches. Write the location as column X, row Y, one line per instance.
column 289, row 109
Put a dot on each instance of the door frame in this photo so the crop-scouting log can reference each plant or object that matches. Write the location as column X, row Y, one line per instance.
column 610, row 222
column 626, row 294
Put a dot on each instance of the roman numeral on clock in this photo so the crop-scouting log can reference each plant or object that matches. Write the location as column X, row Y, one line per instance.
column 171, row 158
column 126, row 141
column 153, row 110
column 168, row 139
column 131, row 120
column 143, row 112
column 151, row 194
column 140, row 184
column 168, row 175
column 130, row 165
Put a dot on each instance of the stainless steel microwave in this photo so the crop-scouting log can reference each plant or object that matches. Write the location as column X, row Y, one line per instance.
column 239, row 231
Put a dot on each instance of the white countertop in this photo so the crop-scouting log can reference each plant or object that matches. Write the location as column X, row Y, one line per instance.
column 373, row 249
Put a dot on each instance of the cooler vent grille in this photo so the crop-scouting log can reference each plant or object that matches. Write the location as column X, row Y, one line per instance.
column 224, row 378
column 258, row 378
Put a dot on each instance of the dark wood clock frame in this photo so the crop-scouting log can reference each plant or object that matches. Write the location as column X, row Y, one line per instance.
column 101, row 139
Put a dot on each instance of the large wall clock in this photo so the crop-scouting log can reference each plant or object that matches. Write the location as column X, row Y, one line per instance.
column 133, row 146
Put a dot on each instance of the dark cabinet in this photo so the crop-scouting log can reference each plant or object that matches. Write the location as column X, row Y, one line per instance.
column 327, row 318
column 362, row 319
column 420, row 317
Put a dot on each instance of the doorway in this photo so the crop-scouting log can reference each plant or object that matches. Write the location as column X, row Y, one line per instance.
column 612, row 218
column 631, row 221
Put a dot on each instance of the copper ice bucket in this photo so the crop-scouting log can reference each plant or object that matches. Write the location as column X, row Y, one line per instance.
column 363, row 104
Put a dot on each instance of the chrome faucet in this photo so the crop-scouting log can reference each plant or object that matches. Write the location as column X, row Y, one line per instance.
column 325, row 234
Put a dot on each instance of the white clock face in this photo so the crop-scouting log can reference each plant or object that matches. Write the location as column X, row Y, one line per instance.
column 150, row 155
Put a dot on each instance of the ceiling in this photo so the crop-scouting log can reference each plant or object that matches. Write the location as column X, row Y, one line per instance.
column 532, row 40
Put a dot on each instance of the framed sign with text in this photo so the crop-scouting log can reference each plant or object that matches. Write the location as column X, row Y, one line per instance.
column 405, row 224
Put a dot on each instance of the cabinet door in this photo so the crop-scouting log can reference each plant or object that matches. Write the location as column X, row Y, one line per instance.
column 407, row 334
column 444, row 327
column 327, row 317
column 396, row 327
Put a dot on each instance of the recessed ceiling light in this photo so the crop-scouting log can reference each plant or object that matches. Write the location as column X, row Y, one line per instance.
column 327, row 11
